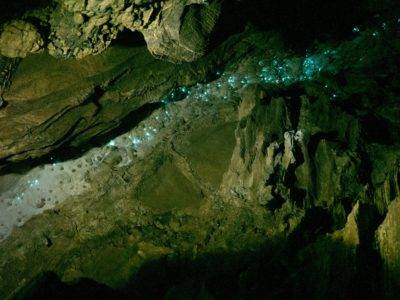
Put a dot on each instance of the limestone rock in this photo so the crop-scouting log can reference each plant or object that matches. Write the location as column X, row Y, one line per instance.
column 7, row 69
column 388, row 240
column 280, row 182
column 350, row 233
column 19, row 38
column 168, row 176
column 182, row 30
column 173, row 29
column 47, row 109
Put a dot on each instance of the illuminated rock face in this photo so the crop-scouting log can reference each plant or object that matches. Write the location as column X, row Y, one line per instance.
column 262, row 158
column 19, row 38
column 181, row 33
column 89, row 97
column 38, row 92
column 173, row 29
column 388, row 237
column 256, row 172
column 47, row 186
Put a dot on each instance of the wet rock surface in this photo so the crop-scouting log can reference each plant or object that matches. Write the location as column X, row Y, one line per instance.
column 19, row 38
column 255, row 172
column 177, row 30
column 52, row 103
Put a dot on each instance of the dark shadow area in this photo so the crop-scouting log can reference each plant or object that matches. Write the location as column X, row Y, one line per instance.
column 301, row 22
column 376, row 130
column 317, row 221
column 16, row 8
column 276, row 203
column 49, row 286
column 256, row 274
column 3, row 103
column 366, row 168
column 128, row 38
column 369, row 263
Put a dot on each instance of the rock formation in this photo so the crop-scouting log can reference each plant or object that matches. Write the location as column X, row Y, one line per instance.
column 47, row 109
column 19, row 39
column 173, row 29
column 251, row 170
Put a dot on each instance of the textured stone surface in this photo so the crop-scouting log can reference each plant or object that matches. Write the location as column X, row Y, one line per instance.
column 7, row 69
column 52, row 102
column 388, row 240
column 173, row 29
column 277, row 178
column 181, row 31
column 20, row 38
column 162, row 176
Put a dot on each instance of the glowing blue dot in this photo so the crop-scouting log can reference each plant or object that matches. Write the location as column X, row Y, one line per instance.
column 111, row 143
column 311, row 66
column 135, row 141
column 33, row 183
column 184, row 89
column 356, row 29
column 232, row 81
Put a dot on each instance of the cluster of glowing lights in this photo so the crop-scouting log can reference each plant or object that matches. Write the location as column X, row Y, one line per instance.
column 275, row 71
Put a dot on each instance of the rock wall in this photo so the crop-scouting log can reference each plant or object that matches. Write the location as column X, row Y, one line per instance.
column 257, row 171
column 176, row 30
column 54, row 103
